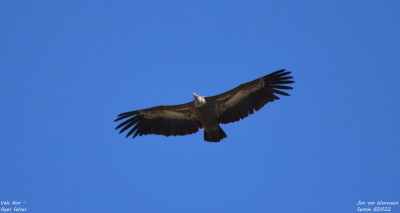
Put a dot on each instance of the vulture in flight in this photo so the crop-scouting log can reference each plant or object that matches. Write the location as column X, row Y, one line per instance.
column 207, row 112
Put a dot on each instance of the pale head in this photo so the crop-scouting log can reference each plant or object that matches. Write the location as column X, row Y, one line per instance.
column 199, row 100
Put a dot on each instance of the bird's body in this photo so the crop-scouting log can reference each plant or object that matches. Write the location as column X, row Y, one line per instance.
column 207, row 112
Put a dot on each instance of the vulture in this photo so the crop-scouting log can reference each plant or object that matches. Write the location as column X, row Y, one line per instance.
column 207, row 112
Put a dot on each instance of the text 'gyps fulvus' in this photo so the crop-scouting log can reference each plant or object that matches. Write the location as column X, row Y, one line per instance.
column 207, row 112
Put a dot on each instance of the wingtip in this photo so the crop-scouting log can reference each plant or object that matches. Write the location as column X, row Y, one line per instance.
column 125, row 115
column 130, row 113
column 278, row 73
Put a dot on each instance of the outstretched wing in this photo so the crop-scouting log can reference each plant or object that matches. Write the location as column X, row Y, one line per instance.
column 160, row 120
column 241, row 101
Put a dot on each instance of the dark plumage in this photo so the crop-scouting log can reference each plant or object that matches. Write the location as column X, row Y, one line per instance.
column 207, row 112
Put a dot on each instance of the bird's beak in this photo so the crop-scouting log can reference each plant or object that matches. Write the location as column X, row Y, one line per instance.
column 195, row 96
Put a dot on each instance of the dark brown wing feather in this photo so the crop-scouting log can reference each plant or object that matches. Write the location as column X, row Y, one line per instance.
column 160, row 120
column 241, row 101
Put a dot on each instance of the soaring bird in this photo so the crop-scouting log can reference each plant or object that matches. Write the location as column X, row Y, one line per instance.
column 207, row 112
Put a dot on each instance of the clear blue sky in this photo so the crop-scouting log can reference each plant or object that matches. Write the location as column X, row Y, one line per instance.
column 68, row 68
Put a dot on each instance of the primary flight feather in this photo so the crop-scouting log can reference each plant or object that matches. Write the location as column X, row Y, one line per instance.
column 207, row 112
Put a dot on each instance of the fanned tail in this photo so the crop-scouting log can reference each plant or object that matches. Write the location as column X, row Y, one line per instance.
column 214, row 135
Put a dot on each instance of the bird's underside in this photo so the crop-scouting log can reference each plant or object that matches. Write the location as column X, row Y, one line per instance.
column 207, row 112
